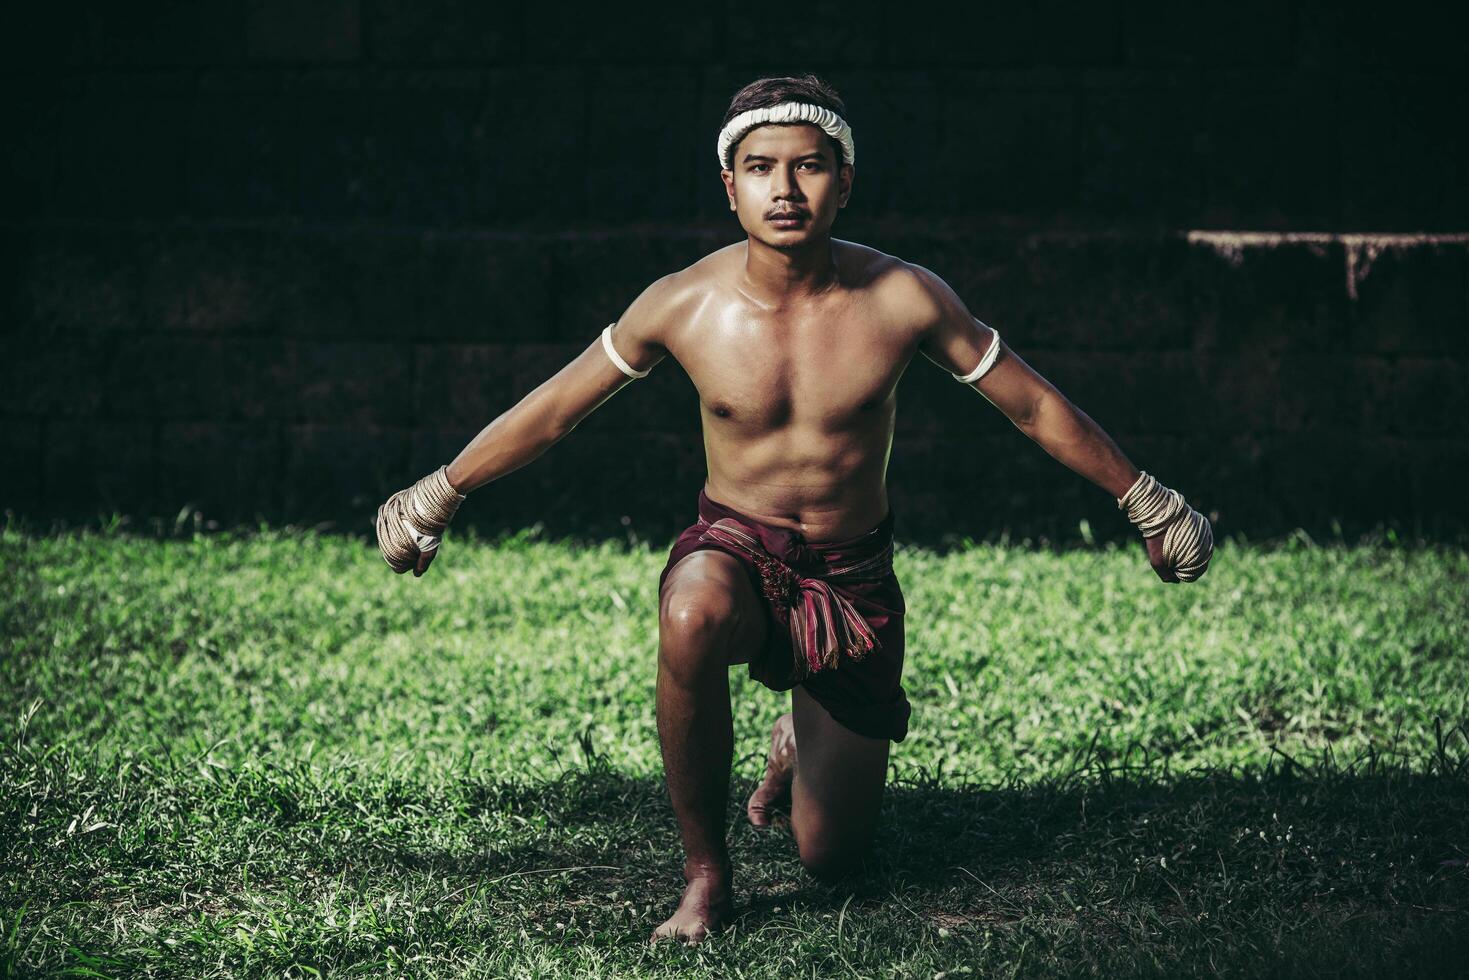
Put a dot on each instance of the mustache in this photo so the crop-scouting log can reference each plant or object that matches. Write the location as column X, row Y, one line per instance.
column 788, row 212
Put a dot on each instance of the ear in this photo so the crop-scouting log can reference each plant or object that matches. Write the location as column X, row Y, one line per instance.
column 845, row 176
column 729, row 187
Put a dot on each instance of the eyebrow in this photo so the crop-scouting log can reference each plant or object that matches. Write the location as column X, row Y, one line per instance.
column 804, row 156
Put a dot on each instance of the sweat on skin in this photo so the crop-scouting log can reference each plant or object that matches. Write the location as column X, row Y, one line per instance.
column 795, row 342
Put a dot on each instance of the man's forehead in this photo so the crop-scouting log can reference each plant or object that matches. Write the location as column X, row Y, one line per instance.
column 786, row 140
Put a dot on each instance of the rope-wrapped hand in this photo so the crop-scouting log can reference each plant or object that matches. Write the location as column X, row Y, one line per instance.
column 1188, row 539
column 412, row 521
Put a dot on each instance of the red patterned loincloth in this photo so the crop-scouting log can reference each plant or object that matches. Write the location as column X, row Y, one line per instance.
column 835, row 613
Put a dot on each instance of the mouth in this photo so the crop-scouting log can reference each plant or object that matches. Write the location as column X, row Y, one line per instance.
column 788, row 219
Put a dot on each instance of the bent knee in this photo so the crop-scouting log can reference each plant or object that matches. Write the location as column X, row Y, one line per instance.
column 697, row 614
column 830, row 864
column 695, row 629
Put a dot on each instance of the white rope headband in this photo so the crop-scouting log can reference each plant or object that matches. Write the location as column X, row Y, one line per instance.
column 787, row 112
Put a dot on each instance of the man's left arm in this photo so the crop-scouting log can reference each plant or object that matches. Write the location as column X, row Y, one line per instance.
column 957, row 342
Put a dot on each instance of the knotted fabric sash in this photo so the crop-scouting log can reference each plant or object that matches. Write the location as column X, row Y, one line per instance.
column 824, row 625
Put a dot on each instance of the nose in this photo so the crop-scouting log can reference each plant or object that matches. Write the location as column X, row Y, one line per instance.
column 783, row 185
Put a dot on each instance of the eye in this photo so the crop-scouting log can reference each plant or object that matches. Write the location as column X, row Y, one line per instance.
column 812, row 164
column 758, row 166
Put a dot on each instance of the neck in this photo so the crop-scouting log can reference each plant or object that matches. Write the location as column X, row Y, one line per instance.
column 790, row 273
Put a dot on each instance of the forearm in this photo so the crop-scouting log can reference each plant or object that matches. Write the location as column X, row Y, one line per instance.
column 1070, row 435
column 505, row 445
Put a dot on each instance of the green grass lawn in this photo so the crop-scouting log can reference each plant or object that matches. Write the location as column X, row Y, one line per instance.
column 268, row 755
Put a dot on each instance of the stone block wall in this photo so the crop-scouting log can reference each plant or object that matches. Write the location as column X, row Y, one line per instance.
column 273, row 261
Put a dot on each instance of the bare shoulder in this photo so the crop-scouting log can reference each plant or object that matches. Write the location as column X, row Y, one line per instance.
column 717, row 269
column 655, row 308
column 915, row 299
column 671, row 299
column 910, row 294
column 648, row 328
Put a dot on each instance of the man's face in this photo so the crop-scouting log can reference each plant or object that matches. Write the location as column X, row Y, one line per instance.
column 785, row 170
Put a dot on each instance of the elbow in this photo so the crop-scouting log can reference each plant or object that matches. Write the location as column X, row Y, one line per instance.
column 559, row 420
column 557, row 429
column 551, row 422
column 559, row 423
column 1049, row 416
column 1033, row 411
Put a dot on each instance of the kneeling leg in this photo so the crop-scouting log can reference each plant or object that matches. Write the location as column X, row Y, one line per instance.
column 837, row 790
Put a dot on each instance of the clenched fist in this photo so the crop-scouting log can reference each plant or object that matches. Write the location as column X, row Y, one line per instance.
column 410, row 524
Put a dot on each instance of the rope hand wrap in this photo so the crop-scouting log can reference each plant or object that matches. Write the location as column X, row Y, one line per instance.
column 1188, row 541
column 412, row 521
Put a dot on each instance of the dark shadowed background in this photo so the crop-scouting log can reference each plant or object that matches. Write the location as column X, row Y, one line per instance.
column 274, row 260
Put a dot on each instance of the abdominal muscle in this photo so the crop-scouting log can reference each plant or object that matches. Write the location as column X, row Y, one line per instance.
column 826, row 486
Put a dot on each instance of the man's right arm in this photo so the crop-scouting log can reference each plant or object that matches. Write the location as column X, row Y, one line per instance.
column 548, row 414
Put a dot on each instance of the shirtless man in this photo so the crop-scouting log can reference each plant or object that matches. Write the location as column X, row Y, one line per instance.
column 795, row 342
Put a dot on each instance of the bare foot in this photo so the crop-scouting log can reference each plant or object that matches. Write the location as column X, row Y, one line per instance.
column 774, row 790
column 704, row 909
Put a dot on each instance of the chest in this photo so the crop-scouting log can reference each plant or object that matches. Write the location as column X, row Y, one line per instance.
column 827, row 368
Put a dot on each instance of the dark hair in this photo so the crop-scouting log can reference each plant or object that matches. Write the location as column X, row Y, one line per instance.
column 772, row 91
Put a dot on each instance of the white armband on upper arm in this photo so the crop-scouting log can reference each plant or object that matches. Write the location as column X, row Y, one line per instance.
column 985, row 363
column 622, row 365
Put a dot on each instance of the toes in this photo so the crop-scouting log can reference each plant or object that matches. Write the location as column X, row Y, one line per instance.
column 773, row 793
column 757, row 808
column 689, row 936
column 763, row 818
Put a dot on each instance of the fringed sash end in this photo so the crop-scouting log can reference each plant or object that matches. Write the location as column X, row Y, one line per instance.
column 824, row 625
